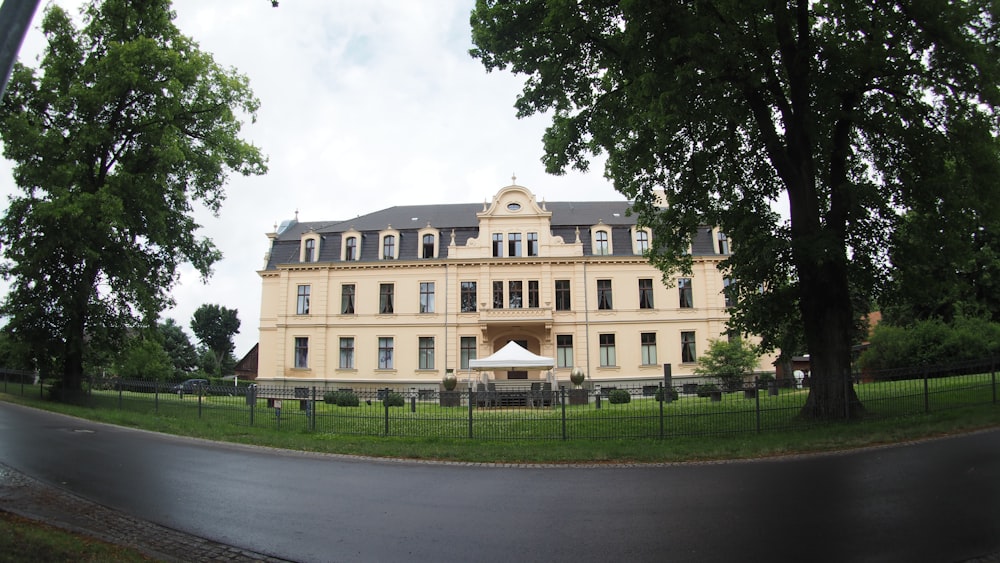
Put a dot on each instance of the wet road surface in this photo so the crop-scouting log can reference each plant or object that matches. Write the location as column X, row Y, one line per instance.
column 937, row 500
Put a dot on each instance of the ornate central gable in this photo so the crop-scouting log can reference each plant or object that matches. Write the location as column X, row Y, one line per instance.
column 514, row 225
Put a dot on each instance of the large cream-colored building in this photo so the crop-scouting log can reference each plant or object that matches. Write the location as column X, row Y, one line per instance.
column 401, row 295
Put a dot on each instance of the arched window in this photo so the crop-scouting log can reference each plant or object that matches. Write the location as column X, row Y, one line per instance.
column 601, row 243
column 641, row 242
column 427, row 247
column 388, row 247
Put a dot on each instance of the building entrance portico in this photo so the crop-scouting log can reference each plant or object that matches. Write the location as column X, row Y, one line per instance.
column 527, row 338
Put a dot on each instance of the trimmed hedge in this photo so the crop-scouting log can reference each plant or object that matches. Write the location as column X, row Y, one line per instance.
column 619, row 396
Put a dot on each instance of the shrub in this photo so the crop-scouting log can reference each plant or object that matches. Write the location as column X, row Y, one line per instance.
column 394, row 400
column 671, row 392
column 706, row 389
column 619, row 396
column 346, row 399
column 330, row 397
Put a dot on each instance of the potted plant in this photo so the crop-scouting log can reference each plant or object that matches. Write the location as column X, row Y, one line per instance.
column 577, row 395
column 449, row 397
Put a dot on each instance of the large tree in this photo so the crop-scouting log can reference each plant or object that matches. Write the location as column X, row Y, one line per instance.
column 214, row 326
column 731, row 106
column 122, row 128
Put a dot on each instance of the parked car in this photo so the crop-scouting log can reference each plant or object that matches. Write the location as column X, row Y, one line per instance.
column 189, row 386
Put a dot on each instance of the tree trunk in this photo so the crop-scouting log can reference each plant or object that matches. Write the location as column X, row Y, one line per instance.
column 76, row 335
column 828, row 320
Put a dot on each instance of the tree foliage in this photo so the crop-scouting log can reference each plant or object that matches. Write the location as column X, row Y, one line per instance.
column 831, row 108
column 177, row 345
column 214, row 326
column 729, row 361
column 121, row 129
column 930, row 342
column 947, row 249
column 144, row 358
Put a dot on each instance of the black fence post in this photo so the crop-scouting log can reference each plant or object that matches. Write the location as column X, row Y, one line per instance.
column 385, row 403
column 471, row 400
column 120, row 391
column 562, row 401
column 156, row 395
column 993, row 378
column 927, row 400
column 312, row 410
column 756, row 386
column 664, row 393
column 252, row 400
column 199, row 400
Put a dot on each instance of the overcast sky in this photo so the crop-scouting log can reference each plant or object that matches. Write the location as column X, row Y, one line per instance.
column 365, row 104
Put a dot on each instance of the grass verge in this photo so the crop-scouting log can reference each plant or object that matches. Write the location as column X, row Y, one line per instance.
column 28, row 541
column 814, row 438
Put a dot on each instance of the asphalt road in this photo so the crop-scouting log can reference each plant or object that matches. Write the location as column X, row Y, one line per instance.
column 934, row 501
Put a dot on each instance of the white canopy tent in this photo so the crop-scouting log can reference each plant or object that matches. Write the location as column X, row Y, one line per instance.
column 511, row 357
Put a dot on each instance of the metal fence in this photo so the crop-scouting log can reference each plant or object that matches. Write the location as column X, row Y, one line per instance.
column 536, row 412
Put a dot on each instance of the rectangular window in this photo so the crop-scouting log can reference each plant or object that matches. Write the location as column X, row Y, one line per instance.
column 428, row 246
column 515, row 294
column 513, row 244
column 498, row 295
column 533, row 294
column 564, row 350
column 468, row 297
column 497, row 245
column 426, row 297
column 646, row 293
column 726, row 282
column 310, row 250
column 687, row 348
column 562, row 295
column 467, row 346
column 347, row 299
column 385, row 298
column 604, row 294
column 648, row 345
column 532, row 244
column 388, row 247
column 351, row 249
column 426, row 348
column 301, row 352
column 302, row 301
column 385, row 349
column 347, row 352
column 607, row 350
column 723, row 244
column 684, row 292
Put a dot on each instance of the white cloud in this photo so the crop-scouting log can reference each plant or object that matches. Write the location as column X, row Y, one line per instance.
column 364, row 104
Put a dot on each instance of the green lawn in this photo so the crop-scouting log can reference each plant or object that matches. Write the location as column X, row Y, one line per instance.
column 690, row 428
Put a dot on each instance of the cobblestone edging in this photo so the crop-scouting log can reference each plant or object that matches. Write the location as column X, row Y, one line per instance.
column 32, row 499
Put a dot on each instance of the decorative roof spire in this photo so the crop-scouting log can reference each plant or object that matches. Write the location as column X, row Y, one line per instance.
column 513, row 179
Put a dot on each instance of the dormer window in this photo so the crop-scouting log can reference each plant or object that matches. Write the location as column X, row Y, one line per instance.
column 350, row 245
column 641, row 241
column 388, row 247
column 723, row 243
column 602, row 243
column 310, row 249
column 429, row 242
column 351, row 248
